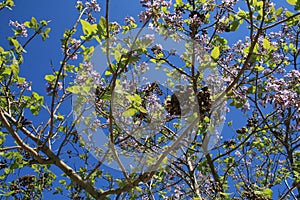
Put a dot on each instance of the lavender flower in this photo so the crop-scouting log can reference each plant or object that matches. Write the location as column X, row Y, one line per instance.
column 20, row 28
column 24, row 85
column 156, row 48
column 129, row 20
column 238, row 153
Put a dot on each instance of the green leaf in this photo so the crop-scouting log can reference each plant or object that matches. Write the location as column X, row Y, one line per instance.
column 87, row 28
column 215, row 53
column 266, row 44
column 50, row 78
column 130, row 112
column 279, row 11
column 9, row 3
column 8, row 193
column 142, row 109
column 225, row 194
column 75, row 89
column 139, row 189
column 21, row 80
column 265, row 193
column 252, row 89
column 253, row 2
column 37, row 97
column 259, row 68
column 102, row 23
column 14, row 68
column 289, row 13
column 33, row 20
column 292, row 2
column 137, row 99
column 206, row 119
column 179, row 2
column 14, row 42
column 130, row 98
column 234, row 26
column 62, row 182
column 34, row 23
column 268, row 192
column 242, row 13
column 43, row 22
column 45, row 34
column 60, row 117
column 107, row 73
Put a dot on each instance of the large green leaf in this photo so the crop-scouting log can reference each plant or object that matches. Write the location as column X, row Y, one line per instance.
column 130, row 112
column 215, row 52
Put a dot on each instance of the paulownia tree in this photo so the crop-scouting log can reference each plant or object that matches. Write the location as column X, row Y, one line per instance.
column 170, row 131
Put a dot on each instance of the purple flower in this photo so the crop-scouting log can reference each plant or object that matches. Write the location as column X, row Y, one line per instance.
column 144, row 67
column 115, row 27
column 144, row 16
column 229, row 2
column 128, row 20
column 59, row 86
column 246, row 106
column 95, row 124
column 238, row 153
column 95, row 6
column 76, row 43
column 149, row 37
column 177, row 192
column 24, row 85
column 156, row 48
column 74, row 56
column 20, row 28
column 90, row 18
column 14, row 23
column 49, row 87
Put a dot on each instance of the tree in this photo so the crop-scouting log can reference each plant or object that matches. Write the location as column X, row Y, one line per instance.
column 163, row 135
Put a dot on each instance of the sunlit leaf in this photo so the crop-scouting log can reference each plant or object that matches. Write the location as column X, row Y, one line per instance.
column 130, row 112
column 215, row 52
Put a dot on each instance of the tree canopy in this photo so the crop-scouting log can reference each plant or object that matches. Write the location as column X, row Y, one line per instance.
column 191, row 99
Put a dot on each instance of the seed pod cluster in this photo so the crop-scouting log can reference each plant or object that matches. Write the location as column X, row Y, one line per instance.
column 204, row 101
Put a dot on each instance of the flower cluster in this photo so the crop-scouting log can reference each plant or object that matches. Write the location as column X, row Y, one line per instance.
column 282, row 91
column 128, row 20
column 89, row 7
column 24, row 85
column 153, row 9
column 228, row 3
column 174, row 20
column 71, row 49
column 88, row 73
column 143, row 68
column 115, row 27
column 20, row 28
column 50, row 87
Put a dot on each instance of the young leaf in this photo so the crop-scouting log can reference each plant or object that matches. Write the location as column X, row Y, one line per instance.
column 234, row 25
column 292, row 2
column 266, row 44
column 75, row 89
column 50, row 77
column 130, row 112
column 215, row 53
